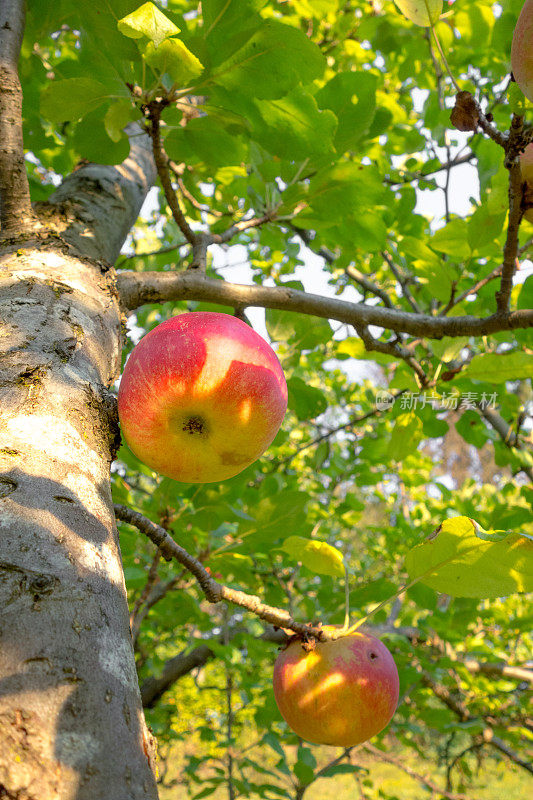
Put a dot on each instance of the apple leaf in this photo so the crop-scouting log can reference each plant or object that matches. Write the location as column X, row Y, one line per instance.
column 272, row 62
column 500, row 367
column 149, row 21
column 317, row 556
column 463, row 560
column 405, row 436
column 421, row 12
column 117, row 117
column 71, row 99
column 306, row 401
column 175, row 59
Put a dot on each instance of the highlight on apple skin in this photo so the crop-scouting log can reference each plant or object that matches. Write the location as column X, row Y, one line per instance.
column 522, row 50
column 341, row 693
column 201, row 397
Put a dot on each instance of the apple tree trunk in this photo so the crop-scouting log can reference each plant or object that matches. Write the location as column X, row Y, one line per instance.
column 71, row 721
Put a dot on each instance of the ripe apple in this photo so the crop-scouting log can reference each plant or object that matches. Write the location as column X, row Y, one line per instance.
column 526, row 166
column 201, row 397
column 342, row 692
column 521, row 50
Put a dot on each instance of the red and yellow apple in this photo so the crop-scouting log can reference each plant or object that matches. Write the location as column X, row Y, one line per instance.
column 522, row 50
column 342, row 692
column 202, row 396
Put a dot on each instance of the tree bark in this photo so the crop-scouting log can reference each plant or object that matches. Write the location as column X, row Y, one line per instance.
column 15, row 206
column 71, row 722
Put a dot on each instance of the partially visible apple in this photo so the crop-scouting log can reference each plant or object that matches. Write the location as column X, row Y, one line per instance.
column 522, row 51
column 526, row 167
column 202, row 396
column 342, row 692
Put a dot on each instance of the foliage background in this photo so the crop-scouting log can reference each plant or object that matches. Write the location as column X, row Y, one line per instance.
column 334, row 149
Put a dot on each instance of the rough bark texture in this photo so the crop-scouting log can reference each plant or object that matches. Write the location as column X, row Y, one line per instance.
column 71, row 723
column 15, row 207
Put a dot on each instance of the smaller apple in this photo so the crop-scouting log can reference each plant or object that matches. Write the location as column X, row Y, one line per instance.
column 341, row 692
column 201, row 397
column 526, row 166
column 521, row 50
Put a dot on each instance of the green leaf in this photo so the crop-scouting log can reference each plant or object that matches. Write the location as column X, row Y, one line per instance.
column 149, row 21
column 234, row 565
column 117, row 117
column 463, row 560
column 306, row 401
column 293, row 127
column 273, row 516
column 286, row 326
column 71, row 98
column 304, row 773
column 421, row 12
column 274, row 60
column 341, row 769
column 174, row 59
column 452, row 240
column 500, row 367
column 305, row 755
column 405, row 436
column 273, row 742
column 525, row 298
column 205, row 140
column 317, row 556
column 352, row 98
column 91, row 141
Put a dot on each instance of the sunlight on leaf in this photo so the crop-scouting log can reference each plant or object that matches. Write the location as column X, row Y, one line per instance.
column 319, row 557
column 175, row 59
column 421, row 12
column 149, row 21
column 463, row 560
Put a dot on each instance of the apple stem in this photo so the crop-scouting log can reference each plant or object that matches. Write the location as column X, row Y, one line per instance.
column 400, row 591
column 444, row 59
column 346, row 625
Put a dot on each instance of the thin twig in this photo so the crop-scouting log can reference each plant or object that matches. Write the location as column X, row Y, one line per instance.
column 244, row 225
column 368, row 285
column 393, row 349
column 397, row 762
column 153, row 112
column 404, row 282
column 473, row 290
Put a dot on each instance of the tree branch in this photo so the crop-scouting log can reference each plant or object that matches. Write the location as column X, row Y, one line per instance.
column 499, row 744
column 454, row 301
column 506, row 434
column 16, row 214
column 437, row 790
column 153, row 113
column 213, row 591
column 510, row 252
column 136, row 289
column 368, row 285
column 394, row 349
